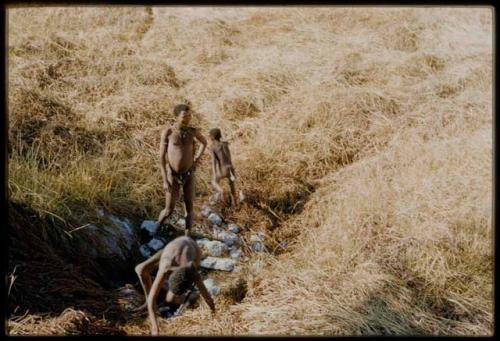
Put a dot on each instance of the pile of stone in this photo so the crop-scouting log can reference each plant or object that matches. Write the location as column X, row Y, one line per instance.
column 221, row 251
column 154, row 238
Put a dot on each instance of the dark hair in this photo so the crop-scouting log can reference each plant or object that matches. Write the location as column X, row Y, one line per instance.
column 215, row 133
column 180, row 107
column 181, row 280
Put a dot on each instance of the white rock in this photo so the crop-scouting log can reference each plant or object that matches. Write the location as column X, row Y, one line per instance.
column 202, row 242
column 242, row 196
column 209, row 282
column 229, row 238
column 211, row 286
column 145, row 251
column 212, row 248
column 181, row 222
column 214, row 218
column 235, row 253
column 257, row 242
column 257, row 238
column 205, row 210
column 233, row 228
column 156, row 244
column 150, row 226
column 224, row 264
column 208, row 262
column 216, row 248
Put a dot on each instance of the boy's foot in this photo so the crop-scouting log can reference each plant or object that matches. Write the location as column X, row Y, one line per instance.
column 242, row 196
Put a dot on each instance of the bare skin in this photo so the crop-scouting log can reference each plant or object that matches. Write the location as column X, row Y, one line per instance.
column 177, row 165
column 180, row 252
column 222, row 168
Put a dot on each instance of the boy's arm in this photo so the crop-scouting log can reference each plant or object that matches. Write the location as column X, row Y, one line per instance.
column 225, row 148
column 203, row 141
column 163, row 160
column 204, row 292
column 214, row 163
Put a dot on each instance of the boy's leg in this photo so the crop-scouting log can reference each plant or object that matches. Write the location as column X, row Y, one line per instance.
column 170, row 200
column 188, row 202
column 151, row 299
column 143, row 271
column 233, row 193
column 218, row 187
column 232, row 174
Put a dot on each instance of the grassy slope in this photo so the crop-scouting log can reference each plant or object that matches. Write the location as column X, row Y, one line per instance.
column 386, row 112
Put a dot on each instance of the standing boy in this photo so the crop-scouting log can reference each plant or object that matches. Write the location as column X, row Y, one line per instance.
column 222, row 167
column 178, row 163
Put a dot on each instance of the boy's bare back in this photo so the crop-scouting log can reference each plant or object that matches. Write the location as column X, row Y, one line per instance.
column 182, row 255
column 181, row 251
column 224, row 165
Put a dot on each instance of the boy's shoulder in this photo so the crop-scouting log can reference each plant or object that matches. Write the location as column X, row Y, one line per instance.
column 219, row 146
column 171, row 128
column 215, row 145
column 166, row 131
column 168, row 128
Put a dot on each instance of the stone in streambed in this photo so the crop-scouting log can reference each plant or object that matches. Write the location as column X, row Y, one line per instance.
column 215, row 219
column 216, row 263
column 233, row 228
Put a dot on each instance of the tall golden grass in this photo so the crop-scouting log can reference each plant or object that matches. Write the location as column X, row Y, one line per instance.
column 380, row 118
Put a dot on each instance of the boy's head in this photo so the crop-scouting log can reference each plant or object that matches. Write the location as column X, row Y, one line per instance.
column 179, row 282
column 182, row 113
column 215, row 134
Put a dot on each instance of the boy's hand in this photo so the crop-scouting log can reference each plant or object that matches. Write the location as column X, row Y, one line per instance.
column 211, row 304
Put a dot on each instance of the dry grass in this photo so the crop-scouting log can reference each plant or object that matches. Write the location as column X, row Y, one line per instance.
column 375, row 122
column 389, row 247
column 69, row 322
